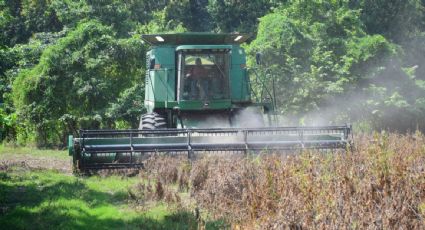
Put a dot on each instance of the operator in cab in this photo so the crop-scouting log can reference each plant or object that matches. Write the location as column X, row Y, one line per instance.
column 198, row 80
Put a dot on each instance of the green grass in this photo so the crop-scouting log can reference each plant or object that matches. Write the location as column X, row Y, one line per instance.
column 50, row 199
column 6, row 151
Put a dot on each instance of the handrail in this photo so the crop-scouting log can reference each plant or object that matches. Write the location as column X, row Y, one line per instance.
column 263, row 85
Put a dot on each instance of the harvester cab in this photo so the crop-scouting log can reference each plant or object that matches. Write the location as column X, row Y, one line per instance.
column 199, row 99
column 193, row 78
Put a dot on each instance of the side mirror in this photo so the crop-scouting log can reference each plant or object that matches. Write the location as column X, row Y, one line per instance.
column 258, row 58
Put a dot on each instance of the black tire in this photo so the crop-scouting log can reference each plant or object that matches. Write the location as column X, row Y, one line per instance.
column 152, row 121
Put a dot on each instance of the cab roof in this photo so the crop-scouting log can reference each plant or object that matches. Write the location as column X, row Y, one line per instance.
column 194, row 38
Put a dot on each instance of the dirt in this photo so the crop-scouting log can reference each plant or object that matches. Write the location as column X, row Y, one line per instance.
column 37, row 163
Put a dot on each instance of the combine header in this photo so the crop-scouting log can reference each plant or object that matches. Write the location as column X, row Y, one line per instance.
column 199, row 99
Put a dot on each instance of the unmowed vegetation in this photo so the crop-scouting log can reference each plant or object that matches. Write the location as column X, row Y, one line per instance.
column 379, row 184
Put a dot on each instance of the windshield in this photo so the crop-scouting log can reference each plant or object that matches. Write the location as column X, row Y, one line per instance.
column 204, row 75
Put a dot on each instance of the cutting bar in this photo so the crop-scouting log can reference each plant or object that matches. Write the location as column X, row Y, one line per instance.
column 128, row 148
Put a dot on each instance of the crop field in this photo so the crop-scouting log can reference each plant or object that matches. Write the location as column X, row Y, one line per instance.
column 380, row 184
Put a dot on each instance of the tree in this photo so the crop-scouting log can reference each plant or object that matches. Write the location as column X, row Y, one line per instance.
column 128, row 107
column 191, row 13
column 303, row 46
column 237, row 15
column 327, row 66
column 22, row 18
column 114, row 13
column 397, row 20
column 76, row 80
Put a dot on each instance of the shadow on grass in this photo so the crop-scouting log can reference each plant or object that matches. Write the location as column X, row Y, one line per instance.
column 70, row 204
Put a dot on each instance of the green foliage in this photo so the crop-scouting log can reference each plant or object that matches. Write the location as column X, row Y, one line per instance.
column 129, row 106
column 7, row 61
column 114, row 13
column 77, row 78
column 398, row 20
column 191, row 13
column 160, row 24
column 237, row 16
column 308, row 51
column 8, row 123
column 69, row 12
column 22, row 18
column 326, row 65
column 71, row 64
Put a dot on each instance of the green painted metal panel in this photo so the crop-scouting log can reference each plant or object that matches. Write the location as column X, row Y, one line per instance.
column 165, row 56
column 240, row 91
column 201, row 105
column 163, row 85
column 161, row 82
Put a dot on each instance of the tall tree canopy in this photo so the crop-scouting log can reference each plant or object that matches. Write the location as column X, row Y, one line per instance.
column 70, row 64
column 78, row 77
column 327, row 63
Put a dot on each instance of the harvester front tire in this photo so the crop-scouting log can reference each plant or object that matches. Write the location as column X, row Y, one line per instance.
column 151, row 121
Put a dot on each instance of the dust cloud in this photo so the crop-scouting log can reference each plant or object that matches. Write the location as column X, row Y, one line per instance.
column 383, row 100
column 250, row 117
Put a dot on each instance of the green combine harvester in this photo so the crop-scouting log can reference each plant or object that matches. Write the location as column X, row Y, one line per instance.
column 199, row 99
